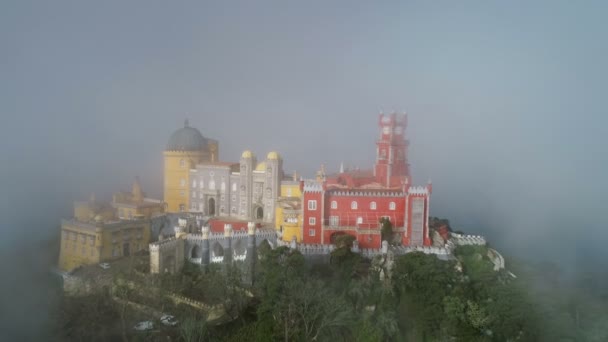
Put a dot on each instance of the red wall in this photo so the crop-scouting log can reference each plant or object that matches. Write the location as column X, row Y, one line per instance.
column 317, row 214
column 348, row 216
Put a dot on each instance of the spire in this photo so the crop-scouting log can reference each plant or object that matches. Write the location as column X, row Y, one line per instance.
column 138, row 195
column 186, row 123
column 342, row 167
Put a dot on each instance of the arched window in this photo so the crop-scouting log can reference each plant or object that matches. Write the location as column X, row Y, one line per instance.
column 353, row 205
column 334, row 205
column 392, row 206
column 233, row 186
column 223, row 186
column 212, row 185
column 194, row 183
column 372, row 205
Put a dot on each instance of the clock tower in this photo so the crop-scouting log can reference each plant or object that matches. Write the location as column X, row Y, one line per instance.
column 392, row 167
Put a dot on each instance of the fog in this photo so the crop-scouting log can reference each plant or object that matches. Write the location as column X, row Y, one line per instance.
column 506, row 107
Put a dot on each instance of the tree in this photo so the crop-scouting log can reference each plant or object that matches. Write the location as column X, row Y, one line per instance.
column 193, row 330
column 386, row 230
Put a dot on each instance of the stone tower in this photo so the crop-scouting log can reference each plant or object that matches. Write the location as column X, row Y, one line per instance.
column 247, row 162
column 186, row 148
column 391, row 166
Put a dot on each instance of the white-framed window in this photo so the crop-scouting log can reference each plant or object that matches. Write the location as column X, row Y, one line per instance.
column 334, row 221
column 201, row 183
column 311, row 232
column 372, row 205
column 212, row 185
column 233, row 186
column 288, row 192
column 334, row 205
column 182, row 182
column 359, row 220
column 353, row 205
column 312, row 221
column 182, row 163
column 392, row 206
column 194, row 183
column 312, row 205
column 201, row 207
column 223, row 186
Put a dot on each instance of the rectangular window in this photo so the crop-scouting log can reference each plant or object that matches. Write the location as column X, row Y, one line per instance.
column 312, row 205
column 312, row 221
column 288, row 192
column 392, row 206
column 334, row 221
column 311, row 232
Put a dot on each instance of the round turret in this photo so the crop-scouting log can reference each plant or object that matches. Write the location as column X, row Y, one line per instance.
column 247, row 154
column 273, row 156
column 186, row 139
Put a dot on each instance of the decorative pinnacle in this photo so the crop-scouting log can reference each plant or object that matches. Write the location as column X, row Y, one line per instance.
column 227, row 230
column 186, row 123
column 205, row 232
column 251, row 228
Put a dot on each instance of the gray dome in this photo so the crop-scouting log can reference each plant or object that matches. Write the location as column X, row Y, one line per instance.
column 186, row 139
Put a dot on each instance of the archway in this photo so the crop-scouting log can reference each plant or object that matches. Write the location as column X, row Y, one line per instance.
column 263, row 249
column 239, row 247
column 259, row 213
column 335, row 236
column 217, row 250
column 211, row 210
column 169, row 264
column 196, row 252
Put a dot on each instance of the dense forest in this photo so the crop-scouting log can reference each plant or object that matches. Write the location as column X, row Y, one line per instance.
column 414, row 297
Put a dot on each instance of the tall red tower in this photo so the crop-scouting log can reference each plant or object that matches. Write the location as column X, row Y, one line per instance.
column 391, row 151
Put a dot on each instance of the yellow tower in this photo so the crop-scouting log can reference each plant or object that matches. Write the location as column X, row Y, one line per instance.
column 186, row 148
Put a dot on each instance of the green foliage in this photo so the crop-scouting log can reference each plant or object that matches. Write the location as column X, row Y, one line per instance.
column 345, row 240
column 386, row 230
column 193, row 330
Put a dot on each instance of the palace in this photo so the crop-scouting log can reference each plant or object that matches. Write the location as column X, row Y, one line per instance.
column 229, row 201
column 354, row 202
column 309, row 211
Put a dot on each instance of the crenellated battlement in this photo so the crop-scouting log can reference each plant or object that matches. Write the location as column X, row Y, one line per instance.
column 164, row 244
column 312, row 186
column 418, row 190
column 347, row 193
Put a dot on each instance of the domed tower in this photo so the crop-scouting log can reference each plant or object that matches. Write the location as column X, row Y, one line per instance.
column 274, row 175
column 247, row 163
column 186, row 148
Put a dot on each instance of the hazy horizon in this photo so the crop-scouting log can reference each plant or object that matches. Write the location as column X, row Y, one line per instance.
column 506, row 104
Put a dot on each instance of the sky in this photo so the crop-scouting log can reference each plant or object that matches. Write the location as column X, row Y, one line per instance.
column 506, row 103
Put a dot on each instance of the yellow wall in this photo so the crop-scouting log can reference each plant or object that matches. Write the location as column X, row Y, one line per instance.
column 289, row 229
column 128, row 212
column 100, row 241
column 290, row 190
column 174, row 192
